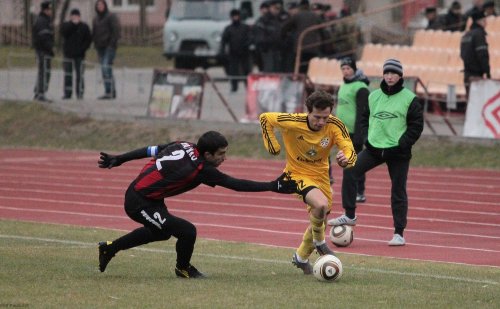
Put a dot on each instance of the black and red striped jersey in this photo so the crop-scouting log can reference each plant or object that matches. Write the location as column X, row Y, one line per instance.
column 177, row 168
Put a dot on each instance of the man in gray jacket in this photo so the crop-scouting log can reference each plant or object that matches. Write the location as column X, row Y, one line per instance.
column 105, row 34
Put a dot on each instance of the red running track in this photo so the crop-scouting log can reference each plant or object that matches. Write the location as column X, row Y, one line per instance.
column 454, row 214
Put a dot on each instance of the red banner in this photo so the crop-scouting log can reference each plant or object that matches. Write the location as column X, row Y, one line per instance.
column 274, row 93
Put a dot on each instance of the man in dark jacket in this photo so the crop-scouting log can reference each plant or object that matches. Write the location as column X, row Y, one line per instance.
column 105, row 33
column 43, row 42
column 454, row 20
column 474, row 51
column 267, row 34
column 311, row 45
column 235, row 45
column 77, row 39
column 394, row 121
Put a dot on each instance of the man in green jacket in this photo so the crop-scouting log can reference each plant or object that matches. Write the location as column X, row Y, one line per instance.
column 395, row 121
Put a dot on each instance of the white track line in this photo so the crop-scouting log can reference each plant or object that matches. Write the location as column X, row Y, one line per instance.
column 232, row 205
column 8, row 179
column 233, row 227
column 257, row 260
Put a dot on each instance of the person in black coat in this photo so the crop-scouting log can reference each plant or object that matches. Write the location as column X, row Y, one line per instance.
column 454, row 20
column 77, row 39
column 235, row 46
column 474, row 51
column 43, row 43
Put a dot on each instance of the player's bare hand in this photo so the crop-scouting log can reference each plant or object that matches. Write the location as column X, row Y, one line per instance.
column 108, row 161
column 341, row 159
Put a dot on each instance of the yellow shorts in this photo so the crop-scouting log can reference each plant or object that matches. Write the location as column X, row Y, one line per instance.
column 307, row 183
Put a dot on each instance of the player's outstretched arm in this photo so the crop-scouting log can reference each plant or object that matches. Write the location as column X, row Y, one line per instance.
column 107, row 160
column 280, row 185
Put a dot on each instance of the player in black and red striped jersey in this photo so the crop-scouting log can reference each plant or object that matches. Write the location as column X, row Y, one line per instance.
column 175, row 168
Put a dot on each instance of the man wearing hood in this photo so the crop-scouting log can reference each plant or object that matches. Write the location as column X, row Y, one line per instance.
column 394, row 121
column 105, row 35
column 352, row 102
column 43, row 42
column 474, row 51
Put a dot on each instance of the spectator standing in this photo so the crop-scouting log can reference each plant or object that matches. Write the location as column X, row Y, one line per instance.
column 346, row 36
column 235, row 45
column 352, row 103
column 477, row 6
column 433, row 21
column 308, row 139
column 175, row 168
column 454, row 20
column 474, row 51
column 105, row 35
column 43, row 42
column 312, row 42
column 257, row 53
column 268, row 40
column 489, row 8
column 77, row 39
column 394, row 121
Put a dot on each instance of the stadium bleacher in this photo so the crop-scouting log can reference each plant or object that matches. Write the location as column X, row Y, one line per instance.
column 433, row 57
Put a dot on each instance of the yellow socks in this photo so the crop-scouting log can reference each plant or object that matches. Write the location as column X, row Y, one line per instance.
column 318, row 228
column 307, row 246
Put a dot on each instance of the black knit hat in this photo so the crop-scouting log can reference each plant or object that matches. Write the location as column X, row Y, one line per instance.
column 46, row 5
column 488, row 4
column 394, row 66
column 75, row 12
column 348, row 61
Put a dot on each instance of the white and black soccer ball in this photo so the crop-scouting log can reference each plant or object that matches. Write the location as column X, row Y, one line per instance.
column 341, row 235
column 327, row 268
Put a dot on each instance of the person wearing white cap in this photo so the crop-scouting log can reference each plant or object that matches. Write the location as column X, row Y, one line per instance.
column 394, row 120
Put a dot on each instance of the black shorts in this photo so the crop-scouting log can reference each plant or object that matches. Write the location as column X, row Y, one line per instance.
column 154, row 215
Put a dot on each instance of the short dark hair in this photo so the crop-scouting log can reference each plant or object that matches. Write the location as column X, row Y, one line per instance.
column 319, row 99
column 210, row 142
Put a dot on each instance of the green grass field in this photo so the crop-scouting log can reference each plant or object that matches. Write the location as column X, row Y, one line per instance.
column 55, row 266
column 127, row 56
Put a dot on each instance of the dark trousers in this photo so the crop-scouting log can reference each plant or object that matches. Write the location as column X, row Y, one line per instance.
column 43, row 77
column 362, row 179
column 106, row 58
column 398, row 172
column 271, row 61
column 159, row 225
column 79, row 65
column 468, row 79
column 238, row 65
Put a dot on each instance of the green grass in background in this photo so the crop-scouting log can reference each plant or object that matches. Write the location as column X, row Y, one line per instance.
column 126, row 56
column 55, row 266
column 33, row 125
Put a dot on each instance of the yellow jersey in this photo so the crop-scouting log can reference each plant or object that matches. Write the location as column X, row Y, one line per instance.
column 307, row 151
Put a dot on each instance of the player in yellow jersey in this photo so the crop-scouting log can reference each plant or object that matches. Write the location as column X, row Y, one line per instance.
column 308, row 139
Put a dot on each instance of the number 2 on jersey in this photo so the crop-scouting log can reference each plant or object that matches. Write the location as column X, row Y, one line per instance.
column 176, row 155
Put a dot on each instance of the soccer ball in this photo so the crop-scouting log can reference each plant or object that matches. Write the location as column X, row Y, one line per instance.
column 341, row 235
column 327, row 268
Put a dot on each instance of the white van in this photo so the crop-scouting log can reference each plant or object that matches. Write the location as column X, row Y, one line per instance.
column 193, row 30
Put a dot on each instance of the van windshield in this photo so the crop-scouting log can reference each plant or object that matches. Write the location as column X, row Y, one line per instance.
column 201, row 9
